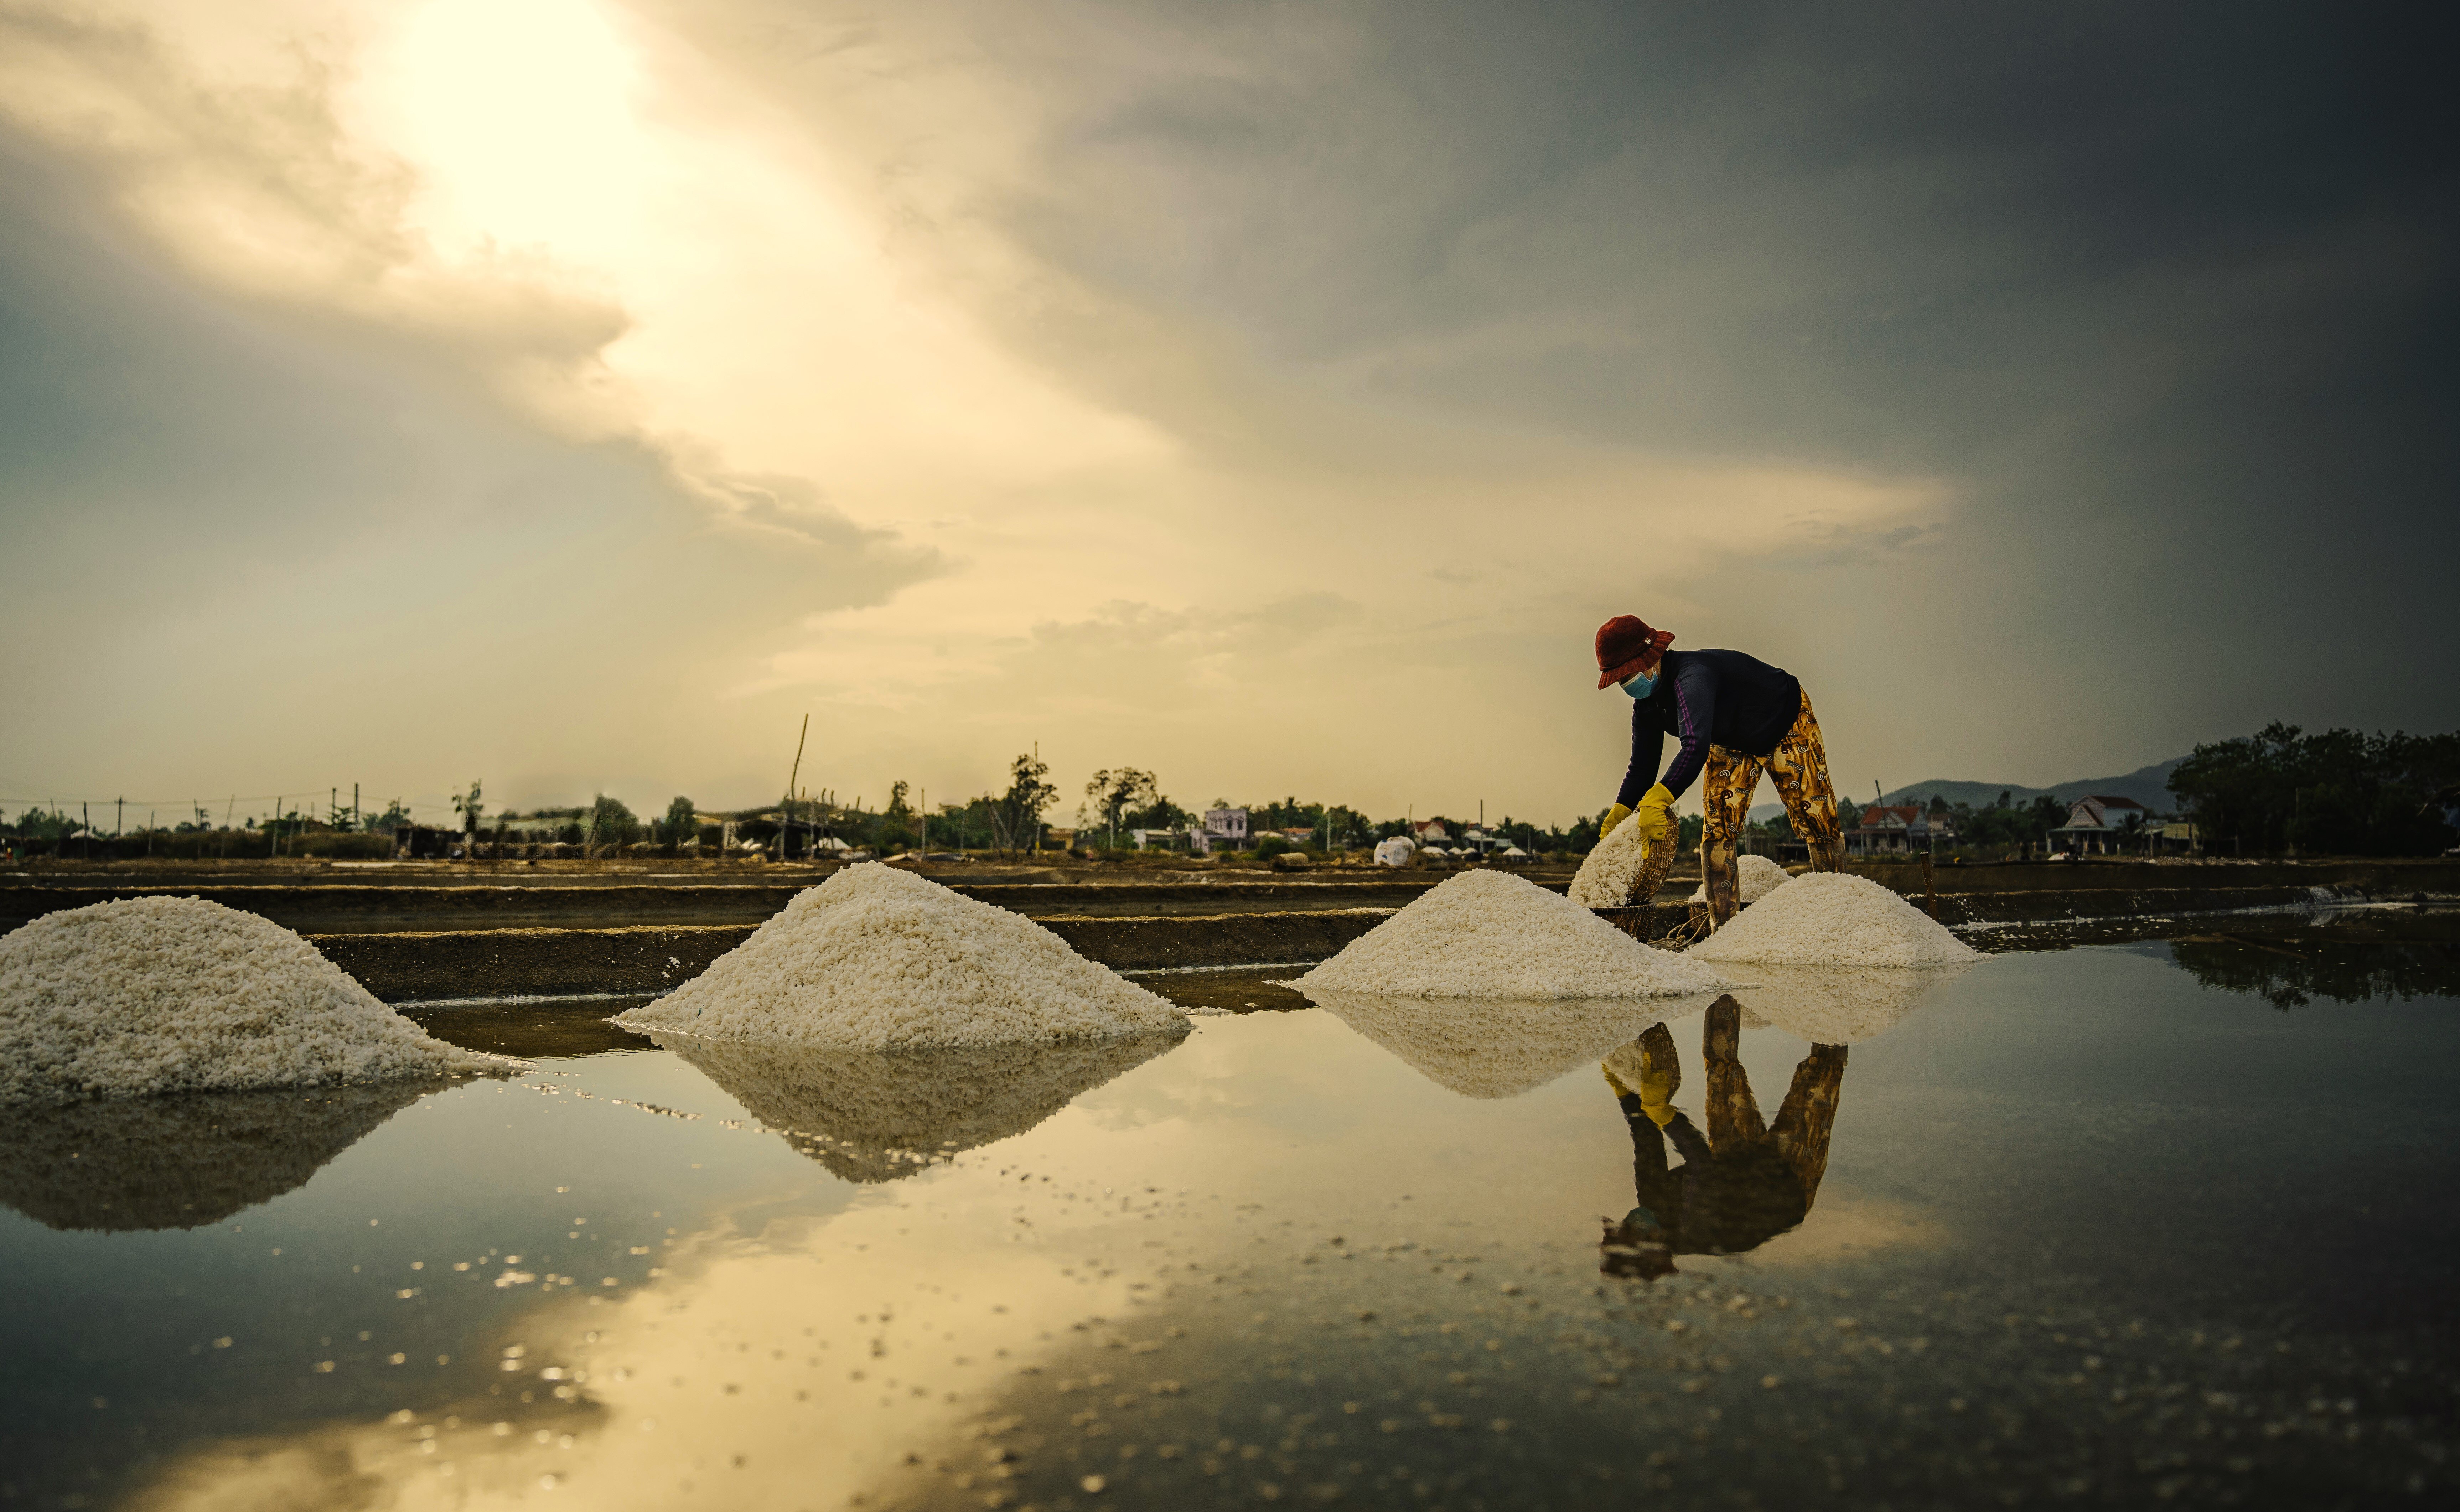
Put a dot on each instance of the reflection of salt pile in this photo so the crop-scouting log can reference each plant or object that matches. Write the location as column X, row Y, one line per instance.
column 1833, row 918
column 1497, row 1048
column 1489, row 934
column 1840, row 1005
column 876, row 958
column 174, row 994
column 875, row 1116
column 1755, row 877
column 1621, row 870
column 185, row 1159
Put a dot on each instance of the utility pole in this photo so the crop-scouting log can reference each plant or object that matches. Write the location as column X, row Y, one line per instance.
column 792, row 776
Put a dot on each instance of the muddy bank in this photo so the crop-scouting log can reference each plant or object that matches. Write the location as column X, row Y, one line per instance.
column 415, row 966
column 348, row 907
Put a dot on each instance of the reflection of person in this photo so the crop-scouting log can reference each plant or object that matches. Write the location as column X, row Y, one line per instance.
column 1743, row 1183
column 1731, row 714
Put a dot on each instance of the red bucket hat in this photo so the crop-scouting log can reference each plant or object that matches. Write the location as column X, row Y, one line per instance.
column 1625, row 646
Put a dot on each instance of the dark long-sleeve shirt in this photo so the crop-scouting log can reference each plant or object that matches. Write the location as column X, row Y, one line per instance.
column 1706, row 698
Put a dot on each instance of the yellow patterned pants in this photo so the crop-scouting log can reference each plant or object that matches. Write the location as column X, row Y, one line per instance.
column 1800, row 768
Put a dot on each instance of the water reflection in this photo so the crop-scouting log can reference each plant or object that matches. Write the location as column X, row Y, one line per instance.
column 2292, row 970
column 876, row 1116
column 180, row 1161
column 1495, row 1048
column 1742, row 1182
column 1839, row 1005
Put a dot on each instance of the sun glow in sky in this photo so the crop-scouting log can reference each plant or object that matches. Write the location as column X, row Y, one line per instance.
column 1229, row 398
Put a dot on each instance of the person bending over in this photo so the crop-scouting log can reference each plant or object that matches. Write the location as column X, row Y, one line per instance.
column 1731, row 715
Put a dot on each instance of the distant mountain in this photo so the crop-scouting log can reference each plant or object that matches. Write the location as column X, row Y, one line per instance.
column 2148, row 786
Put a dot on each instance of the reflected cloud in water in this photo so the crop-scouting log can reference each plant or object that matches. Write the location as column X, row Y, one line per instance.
column 185, row 1159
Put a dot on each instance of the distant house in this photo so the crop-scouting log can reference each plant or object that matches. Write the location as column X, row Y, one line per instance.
column 1226, row 824
column 1427, row 831
column 2101, row 824
column 1898, row 829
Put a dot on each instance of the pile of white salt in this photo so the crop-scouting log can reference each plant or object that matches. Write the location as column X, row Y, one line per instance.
column 177, row 994
column 1491, row 934
column 876, row 958
column 1611, row 871
column 1831, row 918
column 1755, row 877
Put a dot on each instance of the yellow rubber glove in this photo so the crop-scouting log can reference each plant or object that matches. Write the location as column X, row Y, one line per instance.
column 1655, row 814
column 1614, row 816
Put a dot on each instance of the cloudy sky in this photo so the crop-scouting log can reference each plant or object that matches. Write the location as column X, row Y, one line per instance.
column 574, row 393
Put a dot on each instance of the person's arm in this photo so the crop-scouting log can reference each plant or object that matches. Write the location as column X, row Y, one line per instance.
column 1647, row 744
column 1695, row 705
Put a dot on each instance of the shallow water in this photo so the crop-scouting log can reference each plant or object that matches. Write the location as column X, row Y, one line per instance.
column 2122, row 1224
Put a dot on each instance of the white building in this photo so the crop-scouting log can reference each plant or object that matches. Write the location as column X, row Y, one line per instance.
column 2103, row 824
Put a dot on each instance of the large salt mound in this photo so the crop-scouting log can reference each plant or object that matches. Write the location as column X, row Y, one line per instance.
column 1497, row 1048
column 1617, row 870
column 1491, row 934
column 1840, row 1005
column 877, row 1116
column 1755, row 877
column 178, row 994
column 1833, row 918
column 876, row 958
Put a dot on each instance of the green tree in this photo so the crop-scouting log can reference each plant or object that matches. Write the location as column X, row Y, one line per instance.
column 469, row 807
column 2340, row 792
column 1018, row 812
column 1112, row 792
column 681, row 823
column 608, row 823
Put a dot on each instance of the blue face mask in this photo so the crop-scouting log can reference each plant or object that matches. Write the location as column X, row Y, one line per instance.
column 1639, row 685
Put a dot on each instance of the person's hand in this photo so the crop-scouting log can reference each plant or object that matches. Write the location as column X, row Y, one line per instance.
column 1614, row 816
column 1655, row 815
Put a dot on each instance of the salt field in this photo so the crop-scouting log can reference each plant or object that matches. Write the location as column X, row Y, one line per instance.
column 2133, row 1224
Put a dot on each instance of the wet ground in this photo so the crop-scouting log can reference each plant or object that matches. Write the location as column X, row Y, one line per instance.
column 2134, row 1221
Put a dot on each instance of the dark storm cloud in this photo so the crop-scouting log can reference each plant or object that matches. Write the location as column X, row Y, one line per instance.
column 2166, row 293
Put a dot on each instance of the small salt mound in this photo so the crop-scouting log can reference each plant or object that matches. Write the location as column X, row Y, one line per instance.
column 178, row 994
column 876, row 958
column 1491, row 934
column 1616, row 868
column 1495, row 1048
column 1840, row 1005
column 877, row 1116
column 1755, row 878
column 1833, row 918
